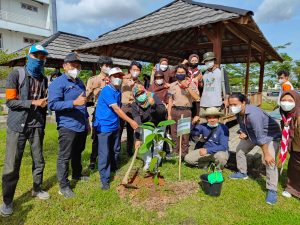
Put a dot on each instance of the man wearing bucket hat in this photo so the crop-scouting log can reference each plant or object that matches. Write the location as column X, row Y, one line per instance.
column 26, row 98
column 211, row 141
column 107, row 125
column 216, row 88
column 67, row 99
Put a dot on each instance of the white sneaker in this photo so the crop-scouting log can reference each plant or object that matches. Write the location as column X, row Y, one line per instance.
column 286, row 194
column 43, row 195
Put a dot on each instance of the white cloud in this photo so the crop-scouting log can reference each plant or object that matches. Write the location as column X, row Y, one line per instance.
column 95, row 12
column 277, row 10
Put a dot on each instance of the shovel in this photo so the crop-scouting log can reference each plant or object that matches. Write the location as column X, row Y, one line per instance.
column 125, row 179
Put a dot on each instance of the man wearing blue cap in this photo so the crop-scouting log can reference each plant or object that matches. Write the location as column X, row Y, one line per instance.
column 26, row 98
column 67, row 98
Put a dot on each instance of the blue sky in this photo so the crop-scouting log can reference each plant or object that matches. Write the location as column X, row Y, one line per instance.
column 279, row 20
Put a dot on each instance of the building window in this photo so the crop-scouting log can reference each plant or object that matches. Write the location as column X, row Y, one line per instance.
column 30, row 40
column 29, row 7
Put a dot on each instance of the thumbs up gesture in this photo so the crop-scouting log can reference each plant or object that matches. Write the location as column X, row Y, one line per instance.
column 80, row 100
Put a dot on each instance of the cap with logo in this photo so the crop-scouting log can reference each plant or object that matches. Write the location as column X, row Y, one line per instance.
column 38, row 48
column 208, row 56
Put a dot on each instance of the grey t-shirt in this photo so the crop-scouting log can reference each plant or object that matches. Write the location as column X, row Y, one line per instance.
column 212, row 89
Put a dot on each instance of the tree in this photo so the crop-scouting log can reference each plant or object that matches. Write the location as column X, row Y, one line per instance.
column 4, row 58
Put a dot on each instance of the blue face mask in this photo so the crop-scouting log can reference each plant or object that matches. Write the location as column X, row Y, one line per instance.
column 35, row 67
column 217, row 124
column 142, row 98
column 180, row 76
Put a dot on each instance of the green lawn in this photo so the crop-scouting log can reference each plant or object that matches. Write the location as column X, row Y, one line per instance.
column 241, row 202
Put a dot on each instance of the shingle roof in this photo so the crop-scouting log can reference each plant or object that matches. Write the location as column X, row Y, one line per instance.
column 177, row 15
column 59, row 45
column 173, row 26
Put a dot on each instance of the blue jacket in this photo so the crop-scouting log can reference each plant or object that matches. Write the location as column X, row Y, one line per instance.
column 260, row 127
column 62, row 92
column 217, row 142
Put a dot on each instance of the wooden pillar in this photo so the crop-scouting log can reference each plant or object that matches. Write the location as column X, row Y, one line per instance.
column 261, row 74
column 94, row 69
column 217, row 42
column 248, row 68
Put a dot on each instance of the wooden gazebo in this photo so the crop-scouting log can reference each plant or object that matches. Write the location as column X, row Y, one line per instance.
column 184, row 27
column 58, row 46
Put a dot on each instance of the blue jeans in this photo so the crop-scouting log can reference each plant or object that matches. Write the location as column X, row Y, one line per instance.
column 109, row 148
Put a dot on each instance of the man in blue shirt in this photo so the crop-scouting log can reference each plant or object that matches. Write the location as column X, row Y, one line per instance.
column 107, row 124
column 257, row 128
column 212, row 141
column 67, row 99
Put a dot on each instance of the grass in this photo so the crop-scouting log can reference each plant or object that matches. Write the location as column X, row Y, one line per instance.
column 241, row 202
column 268, row 105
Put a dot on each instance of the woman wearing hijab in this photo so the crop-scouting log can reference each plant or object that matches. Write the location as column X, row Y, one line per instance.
column 290, row 142
column 159, row 87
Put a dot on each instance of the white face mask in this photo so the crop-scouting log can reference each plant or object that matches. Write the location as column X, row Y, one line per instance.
column 159, row 81
column 287, row 106
column 210, row 64
column 163, row 67
column 73, row 73
column 236, row 109
column 116, row 81
column 135, row 74
column 106, row 70
column 281, row 81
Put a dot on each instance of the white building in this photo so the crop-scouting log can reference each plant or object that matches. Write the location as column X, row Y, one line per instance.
column 24, row 22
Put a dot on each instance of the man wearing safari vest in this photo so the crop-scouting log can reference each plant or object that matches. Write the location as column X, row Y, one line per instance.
column 26, row 98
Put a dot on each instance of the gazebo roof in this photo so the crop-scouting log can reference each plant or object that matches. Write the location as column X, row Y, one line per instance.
column 184, row 27
column 58, row 46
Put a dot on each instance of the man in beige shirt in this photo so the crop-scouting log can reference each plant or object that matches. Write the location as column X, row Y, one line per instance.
column 93, row 88
column 127, row 99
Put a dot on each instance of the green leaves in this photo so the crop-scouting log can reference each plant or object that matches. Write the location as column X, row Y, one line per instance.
column 166, row 123
column 147, row 127
column 169, row 141
column 152, row 166
column 155, row 179
column 147, row 144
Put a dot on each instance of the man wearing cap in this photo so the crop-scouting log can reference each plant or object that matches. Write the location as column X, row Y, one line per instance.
column 26, row 98
column 93, row 88
column 107, row 125
column 216, row 88
column 67, row 99
column 211, row 141
column 127, row 99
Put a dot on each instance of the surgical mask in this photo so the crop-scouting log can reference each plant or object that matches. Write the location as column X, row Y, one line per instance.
column 116, row 81
column 159, row 81
column 212, row 126
column 135, row 74
column 287, row 106
column 73, row 73
column 180, row 76
column 142, row 98
column 210, row 64
column 163, row 67
column 281, row 81
column 106, row 70
column 236, row 109
column 35, row 67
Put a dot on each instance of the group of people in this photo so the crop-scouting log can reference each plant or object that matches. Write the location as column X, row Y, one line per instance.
column 121, row 101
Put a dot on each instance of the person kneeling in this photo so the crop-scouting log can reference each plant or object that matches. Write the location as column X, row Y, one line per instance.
column 213, row 146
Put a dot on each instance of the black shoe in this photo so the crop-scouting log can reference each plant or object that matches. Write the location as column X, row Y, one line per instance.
column 105, row 186
column 92, row 166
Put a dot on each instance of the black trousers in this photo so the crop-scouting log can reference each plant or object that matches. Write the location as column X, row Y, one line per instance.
column 71, row 145
column 130, row 131
column 94, row 153
column 15, row 144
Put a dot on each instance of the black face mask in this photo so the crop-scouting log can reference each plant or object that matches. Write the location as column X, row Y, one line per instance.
column 180, row 76
column 193, row 65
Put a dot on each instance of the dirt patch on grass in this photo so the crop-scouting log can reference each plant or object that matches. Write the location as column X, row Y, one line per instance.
column 157, row 197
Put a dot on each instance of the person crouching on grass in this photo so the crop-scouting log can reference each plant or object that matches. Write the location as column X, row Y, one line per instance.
column 107, row 125
column 214, row 144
